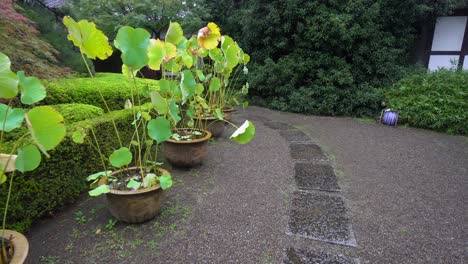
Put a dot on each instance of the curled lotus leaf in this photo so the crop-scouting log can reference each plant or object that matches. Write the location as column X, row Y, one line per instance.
column 209, row 36
column 175, row 33
column 244, row 133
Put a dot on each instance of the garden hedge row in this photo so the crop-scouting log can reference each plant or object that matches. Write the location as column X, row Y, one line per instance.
column 436, row 100
column 61, row 178
column 115, row 89
column 78, row 112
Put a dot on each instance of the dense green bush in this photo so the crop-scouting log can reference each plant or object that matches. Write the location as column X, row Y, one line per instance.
column 115, row 89
column 436, row 100
column 324, row 57
column 77, row 112
column 60, row 179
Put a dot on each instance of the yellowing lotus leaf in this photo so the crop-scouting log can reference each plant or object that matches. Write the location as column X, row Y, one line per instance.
column 209, row 36
column 88, row 38
column 156, row 54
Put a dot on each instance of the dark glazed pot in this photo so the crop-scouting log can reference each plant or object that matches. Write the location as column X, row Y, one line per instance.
column 212, row 124
column 20, row 245
column 187, row 153
column 135, row 206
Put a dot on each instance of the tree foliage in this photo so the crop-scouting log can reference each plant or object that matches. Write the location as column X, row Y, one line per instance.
column 326, row 57
column 21, row 42
column 154, row 16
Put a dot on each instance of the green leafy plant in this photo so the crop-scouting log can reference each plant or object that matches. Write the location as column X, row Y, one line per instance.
column 45, row 127
column 435, row 100
column 195, row 78
column 134, row 44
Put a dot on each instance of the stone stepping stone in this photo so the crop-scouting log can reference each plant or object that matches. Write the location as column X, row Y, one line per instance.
column 306, row 152
column 295, row 256
column 311, row 176
column 278, row 125
column 321, row 217
column 295, row 136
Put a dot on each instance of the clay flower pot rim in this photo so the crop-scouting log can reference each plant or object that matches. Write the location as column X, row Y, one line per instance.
column 145, row 190
column 20, row 244
column 228, row 109
column 209, row 118
column 198, row 140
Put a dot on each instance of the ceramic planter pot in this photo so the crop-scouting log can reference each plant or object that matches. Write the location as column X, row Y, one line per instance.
column 20, row 245
column 212, row 124
column 135, row 206
column 186, row 153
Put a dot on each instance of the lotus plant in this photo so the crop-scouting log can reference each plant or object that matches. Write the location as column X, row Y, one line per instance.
column 41, row 128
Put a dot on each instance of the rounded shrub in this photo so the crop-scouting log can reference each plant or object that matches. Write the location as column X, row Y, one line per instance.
column 435, row 100
column 77, row 112
column 115, row 89
column 60, row 179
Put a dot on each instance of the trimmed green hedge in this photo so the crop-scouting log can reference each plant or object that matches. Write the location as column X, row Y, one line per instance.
column 115, row 89
column 436, row 100
column 78, row 112
column 60, row 179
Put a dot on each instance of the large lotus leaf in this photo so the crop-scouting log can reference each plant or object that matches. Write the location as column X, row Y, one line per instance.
column 174, row 111
column 173, row 66
column 159, row 129
column 232, row 56
column 209, row 36
column 187, row 85
column 28, row 158
column 88, row 38
column 174, row 33
column 46, row 127
column 159, row 103
column 216, row 55
column 8, row 80
column 182, row 44
column 133, row 43
column 187, row 59
column 14, row 117
column 121, row 157
column 128, row 73
column 165, row 181
column 156, row 54
column 169, row 88
column 102, row 189
column 171, row 51
column 192, row 43
column 226, row 41
column 215, row 84
column 32, row 90
column 244, row 133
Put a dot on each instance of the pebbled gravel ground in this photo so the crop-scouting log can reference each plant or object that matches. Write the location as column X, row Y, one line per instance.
column 405, row 192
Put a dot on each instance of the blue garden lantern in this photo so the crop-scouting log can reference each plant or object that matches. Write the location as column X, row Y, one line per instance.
column 389, row 117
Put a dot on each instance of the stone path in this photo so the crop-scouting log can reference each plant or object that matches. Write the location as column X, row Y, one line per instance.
column 316, row 212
